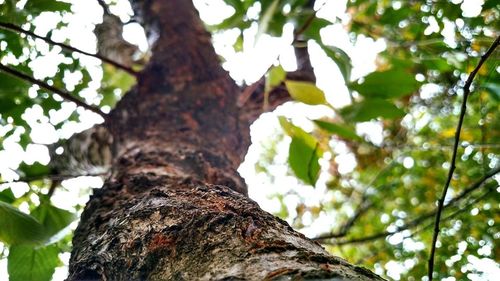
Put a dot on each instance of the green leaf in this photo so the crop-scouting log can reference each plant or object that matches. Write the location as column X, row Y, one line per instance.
column 265, row 19
column 493, row 90
column 274, row 78
column 312, row 31
column 38, row 6
column 340, row 58
column 305, row 92
column 34, row 170
column 26, row 263
column 17, row 227
column 370, row 109
column 10, row 88
column 286, row 125
column 303, row 154
column 7, row 196
column 337, row 129
column 52, row 218
column 393, row 83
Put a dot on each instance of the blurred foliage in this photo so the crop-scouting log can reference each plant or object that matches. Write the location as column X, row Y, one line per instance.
column 383, row 209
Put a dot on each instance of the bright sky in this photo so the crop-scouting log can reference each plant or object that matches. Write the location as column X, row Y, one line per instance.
column 247, row 66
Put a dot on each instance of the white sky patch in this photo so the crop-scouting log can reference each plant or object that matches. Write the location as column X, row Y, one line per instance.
column 471, row 8
column 372, row 130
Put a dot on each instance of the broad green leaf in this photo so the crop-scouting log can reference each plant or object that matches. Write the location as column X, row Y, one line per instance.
column 11, row 87
column 52, row 218
column 340, row 58
column 370, row 109
column 7, row 196
column 38, row 6
column 303, row 154
column 26, row 263
column 305, row 92
column 286, row 125
column 34, row 170
column 275, row 76
column 338, row 129
column 393, row 83
column 17, row 227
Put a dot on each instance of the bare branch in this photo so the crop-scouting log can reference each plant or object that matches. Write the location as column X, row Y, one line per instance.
column 13, row 27
column 52, row 177
column 248, row 91
column 417, row 221
column 104, row 7
column 65, row 95
column 466, row 89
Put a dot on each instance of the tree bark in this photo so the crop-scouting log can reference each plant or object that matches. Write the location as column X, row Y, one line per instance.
column 174, row 207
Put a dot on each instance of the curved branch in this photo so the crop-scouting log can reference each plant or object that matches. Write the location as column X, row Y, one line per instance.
column 414, row 222
column 65, row 95
column 13, row 27
column 466, row 89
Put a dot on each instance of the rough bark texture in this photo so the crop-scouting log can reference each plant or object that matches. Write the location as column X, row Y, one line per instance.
column 175, row 207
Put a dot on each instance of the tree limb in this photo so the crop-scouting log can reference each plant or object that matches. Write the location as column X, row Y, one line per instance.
column 55, row 177
column 249, row 90
column 13, row 27
column 466, row 89
column 65, row 95
column 417, row 221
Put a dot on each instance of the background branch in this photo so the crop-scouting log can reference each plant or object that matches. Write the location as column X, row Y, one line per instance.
column 13, row 27
column 466, row 90
column 417, row 221
column 54, row 177
column 63, row 94
column 249, row 90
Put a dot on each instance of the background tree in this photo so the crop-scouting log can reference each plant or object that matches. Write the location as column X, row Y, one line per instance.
column 380, row 212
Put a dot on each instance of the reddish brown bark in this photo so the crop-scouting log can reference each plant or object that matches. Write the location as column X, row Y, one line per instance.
column 175, row 207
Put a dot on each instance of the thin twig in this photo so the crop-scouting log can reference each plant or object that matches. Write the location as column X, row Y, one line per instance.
column 13, row 27
column 417, row 221
column 65, row 95
column 363, row 206
column 458, row 211
column 466, row 91
column 52, row 177
column 248, row 91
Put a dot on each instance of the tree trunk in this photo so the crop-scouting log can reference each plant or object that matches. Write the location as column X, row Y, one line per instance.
column 174, row 207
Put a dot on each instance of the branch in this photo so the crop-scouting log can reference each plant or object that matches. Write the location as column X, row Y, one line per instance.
column 13, row 27
column 104, row 7
column 419, row 220
column 51, row 177
column 248, row 91
column 466, row 89
column 53, row 89
column 362, row 207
